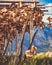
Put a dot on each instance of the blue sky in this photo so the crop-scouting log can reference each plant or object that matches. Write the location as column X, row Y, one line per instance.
column 46, row 1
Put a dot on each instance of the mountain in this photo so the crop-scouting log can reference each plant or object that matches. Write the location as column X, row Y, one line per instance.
column 43, row 40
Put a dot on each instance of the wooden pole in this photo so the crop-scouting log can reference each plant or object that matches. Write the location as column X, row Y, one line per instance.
column 7, row 40
column 9, row 49
column 20, row 46
column 21, row 40
column 32, row 39
column 31, row 26
column 14, row 62
column 6, row 47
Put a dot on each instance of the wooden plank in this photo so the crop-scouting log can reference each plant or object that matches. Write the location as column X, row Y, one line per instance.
column 44, row 10
column 17, row 2
column 40, row 4
column 31, row 26
column 41, row 7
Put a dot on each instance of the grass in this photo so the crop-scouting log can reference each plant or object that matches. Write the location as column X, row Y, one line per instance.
column 35, row 60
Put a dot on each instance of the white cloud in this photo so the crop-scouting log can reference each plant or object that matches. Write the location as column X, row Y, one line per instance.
column 49, row 12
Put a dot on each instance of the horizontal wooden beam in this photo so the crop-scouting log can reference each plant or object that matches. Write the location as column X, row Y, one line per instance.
column 17, row 2
column 44, row 10
column 40, row 4
column 41, row 7
column 1, row 6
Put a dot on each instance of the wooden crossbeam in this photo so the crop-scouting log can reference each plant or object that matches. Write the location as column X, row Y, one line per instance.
column 44, row 10
column 41, row 7
column 17, row 2
column 40, row 4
